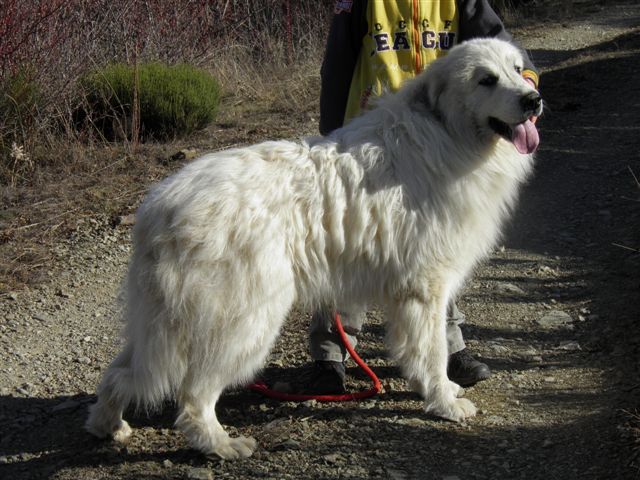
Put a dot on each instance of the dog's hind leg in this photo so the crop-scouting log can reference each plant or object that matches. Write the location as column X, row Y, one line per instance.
column 114, row 394
column 228, row 354
column 417, row 338
column 198, row 421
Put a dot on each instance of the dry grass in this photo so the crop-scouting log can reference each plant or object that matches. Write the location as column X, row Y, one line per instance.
column 55, row 178
column 74, row 180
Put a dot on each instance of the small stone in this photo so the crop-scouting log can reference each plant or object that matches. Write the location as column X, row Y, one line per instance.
column 549, row 379
column 499, row 348
column 277, row 423
column 547, row 443
column 495, row 420
column 369, row 404
column 167, row 463
column 333, row 458
column 556, row 319
column 570, row 346
column 396, row 474
column 508, row 289
column 13, row 296
column 289, row 444
column 63, row 293
column 199, row 474
column 412, row 422
column 545, row 270
column 126, row 220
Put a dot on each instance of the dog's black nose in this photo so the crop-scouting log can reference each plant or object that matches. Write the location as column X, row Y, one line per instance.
column 531, row 102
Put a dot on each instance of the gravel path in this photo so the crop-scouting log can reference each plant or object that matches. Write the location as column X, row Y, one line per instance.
column 554, row 313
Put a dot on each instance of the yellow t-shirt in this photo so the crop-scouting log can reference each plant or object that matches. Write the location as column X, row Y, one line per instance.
column 403, row 38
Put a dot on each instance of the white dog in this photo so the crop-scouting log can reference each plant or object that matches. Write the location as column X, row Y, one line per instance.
column 395, row 208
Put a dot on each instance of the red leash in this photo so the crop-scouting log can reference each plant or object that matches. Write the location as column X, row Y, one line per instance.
column 262, row 388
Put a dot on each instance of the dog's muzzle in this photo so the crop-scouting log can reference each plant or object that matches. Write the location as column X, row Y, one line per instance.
column 531, row 102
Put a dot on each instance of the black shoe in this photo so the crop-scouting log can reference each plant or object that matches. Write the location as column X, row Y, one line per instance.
column 465, row 370
column 325, row 378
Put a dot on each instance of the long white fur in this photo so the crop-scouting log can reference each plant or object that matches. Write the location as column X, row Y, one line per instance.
column 395, row 208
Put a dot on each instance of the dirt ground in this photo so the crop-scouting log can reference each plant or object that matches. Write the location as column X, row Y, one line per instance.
column 554, row 312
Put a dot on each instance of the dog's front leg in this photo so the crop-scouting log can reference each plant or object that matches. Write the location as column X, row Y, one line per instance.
column 417, row 339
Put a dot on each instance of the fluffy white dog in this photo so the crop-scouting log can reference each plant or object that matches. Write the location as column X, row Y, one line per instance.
column 395, row 208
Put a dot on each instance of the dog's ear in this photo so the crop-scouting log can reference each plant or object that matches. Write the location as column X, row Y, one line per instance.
column 430, row 89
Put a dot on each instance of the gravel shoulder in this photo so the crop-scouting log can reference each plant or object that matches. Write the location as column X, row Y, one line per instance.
column 554, row 312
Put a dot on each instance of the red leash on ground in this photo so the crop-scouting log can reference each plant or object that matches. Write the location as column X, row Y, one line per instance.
column 345, row 397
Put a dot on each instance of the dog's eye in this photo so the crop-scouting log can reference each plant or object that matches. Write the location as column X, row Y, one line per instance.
column 518, row 69
column 489, row 80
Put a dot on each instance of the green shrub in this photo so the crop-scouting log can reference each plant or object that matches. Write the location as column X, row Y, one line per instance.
column 174, row 100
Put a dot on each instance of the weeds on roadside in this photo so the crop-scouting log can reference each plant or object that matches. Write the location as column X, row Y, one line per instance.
column 265, row 53
column 19, row 103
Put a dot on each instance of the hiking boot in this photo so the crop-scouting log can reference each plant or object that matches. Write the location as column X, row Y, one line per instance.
column 325, row 378
column 465, row 370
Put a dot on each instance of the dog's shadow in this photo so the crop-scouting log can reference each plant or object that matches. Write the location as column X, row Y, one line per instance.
column 42, row 436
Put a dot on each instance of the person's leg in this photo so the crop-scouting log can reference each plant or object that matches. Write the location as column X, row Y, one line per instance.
column 462, row 368
column 455, row 318
column 329, row 353
column 325, row 343
column 327, row 350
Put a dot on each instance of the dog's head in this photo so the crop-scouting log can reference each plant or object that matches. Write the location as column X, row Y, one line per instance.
column 479, row 86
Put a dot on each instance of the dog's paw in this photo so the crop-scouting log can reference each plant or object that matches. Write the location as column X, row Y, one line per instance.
column 238, row 447
column 104, row 427
column 122, row 433
column 456, row 410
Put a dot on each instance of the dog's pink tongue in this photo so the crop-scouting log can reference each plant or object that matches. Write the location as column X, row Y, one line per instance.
column 525, row 137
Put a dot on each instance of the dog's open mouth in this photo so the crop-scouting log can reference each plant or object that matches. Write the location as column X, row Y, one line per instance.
column 524, row 136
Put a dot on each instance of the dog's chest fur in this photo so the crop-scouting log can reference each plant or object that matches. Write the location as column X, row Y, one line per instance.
column 372, row 230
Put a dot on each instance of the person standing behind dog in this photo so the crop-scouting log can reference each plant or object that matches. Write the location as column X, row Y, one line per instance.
column 373, row 47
